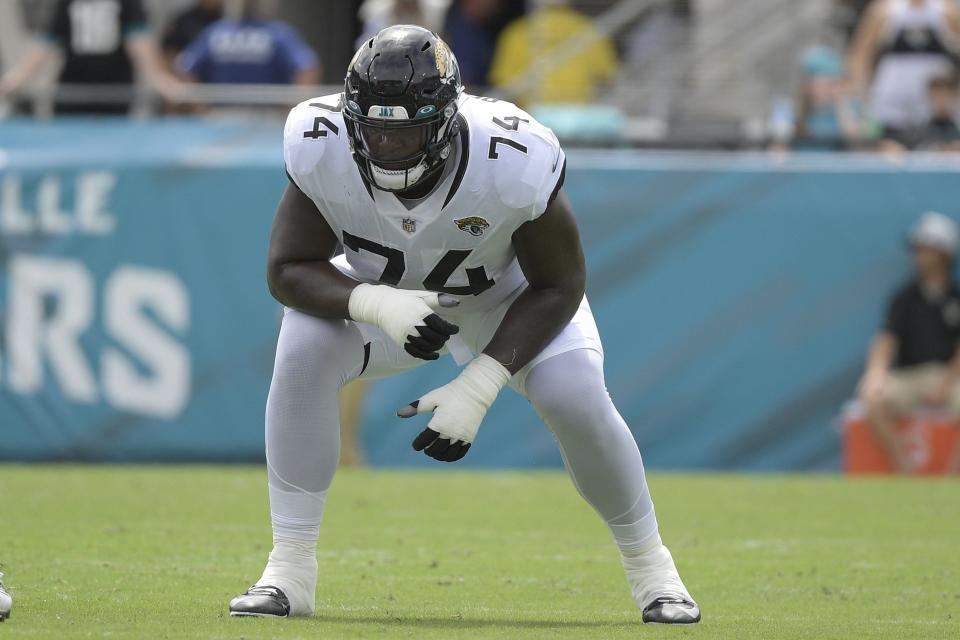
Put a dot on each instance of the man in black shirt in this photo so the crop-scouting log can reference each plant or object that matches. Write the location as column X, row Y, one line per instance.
column 915, row 360
column 102, row 41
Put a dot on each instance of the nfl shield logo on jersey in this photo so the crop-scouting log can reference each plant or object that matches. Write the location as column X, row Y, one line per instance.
column 409, row 225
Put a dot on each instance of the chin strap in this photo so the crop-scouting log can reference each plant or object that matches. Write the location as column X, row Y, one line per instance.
column 440, row 150
column 378, row 172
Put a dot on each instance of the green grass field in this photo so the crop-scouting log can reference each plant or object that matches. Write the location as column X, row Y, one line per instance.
column 157, row 552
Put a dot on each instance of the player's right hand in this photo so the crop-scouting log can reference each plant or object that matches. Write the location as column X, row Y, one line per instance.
column 408, row 317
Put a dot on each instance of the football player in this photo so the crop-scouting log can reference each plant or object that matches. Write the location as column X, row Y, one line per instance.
column 457, row 238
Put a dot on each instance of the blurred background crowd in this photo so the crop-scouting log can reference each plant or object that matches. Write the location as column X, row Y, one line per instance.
column 817, row 74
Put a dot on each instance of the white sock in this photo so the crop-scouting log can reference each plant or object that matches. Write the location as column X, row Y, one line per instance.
column 636, row 551
column 296, row 514
column 651, row 572
column 292, row 568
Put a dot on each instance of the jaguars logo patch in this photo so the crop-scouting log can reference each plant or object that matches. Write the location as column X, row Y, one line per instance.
column 474, row 225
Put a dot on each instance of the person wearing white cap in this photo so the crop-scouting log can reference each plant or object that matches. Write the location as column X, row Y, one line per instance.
column 914, row 359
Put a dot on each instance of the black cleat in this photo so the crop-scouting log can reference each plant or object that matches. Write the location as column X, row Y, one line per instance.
column 671, row 610
column 262, row 602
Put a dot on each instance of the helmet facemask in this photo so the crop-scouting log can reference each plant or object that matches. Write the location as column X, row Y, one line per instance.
column 395, row 152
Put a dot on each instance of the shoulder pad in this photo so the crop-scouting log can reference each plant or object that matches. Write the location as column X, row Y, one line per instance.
column 306, row 131
column 527, row 160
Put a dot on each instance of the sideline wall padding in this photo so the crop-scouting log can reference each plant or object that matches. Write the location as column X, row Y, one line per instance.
column 735, row 294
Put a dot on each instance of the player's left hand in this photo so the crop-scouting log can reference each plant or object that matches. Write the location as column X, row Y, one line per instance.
column 458, row 408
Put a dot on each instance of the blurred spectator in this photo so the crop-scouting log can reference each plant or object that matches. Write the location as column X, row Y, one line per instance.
column 250, row 48
column 471, row 29
column 898, row 47
column 848, row 14
column 102, row 41
column 539, row 39
column 940, row 132
column 826, row 117
column 188, row 25
column 665, row 25
column 376, row 15
column 915, row 359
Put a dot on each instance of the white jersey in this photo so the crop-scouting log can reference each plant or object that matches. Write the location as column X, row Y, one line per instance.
column 917, row 47
column 505, row 170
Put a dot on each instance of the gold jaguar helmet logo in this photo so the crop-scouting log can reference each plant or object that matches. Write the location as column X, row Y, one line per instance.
column 474, row 225
column 445, row 61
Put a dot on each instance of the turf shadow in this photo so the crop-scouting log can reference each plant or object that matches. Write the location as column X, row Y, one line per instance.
column 464, row 623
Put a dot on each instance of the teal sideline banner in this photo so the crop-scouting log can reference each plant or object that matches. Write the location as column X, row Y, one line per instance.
column 735, row 293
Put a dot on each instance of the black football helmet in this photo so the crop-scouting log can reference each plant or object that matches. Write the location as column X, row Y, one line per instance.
column 400, row 106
